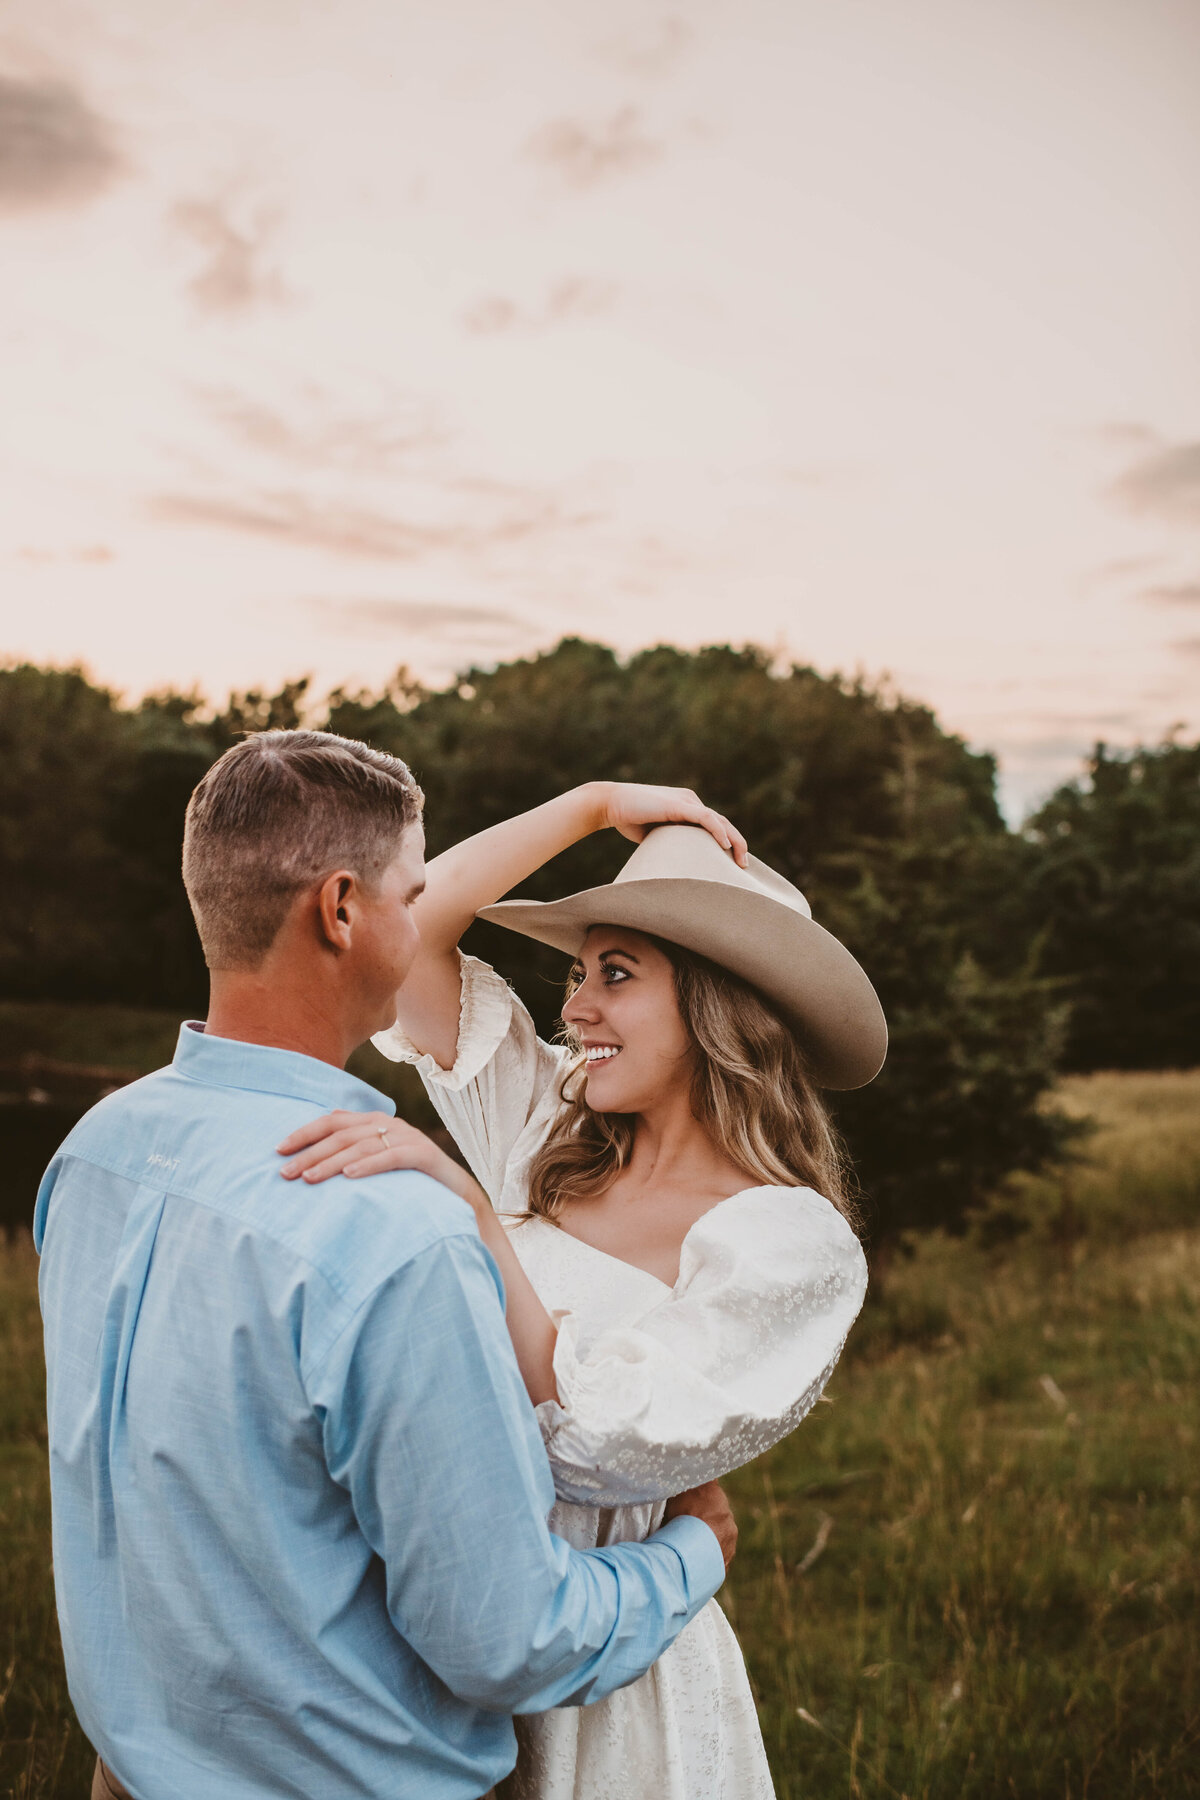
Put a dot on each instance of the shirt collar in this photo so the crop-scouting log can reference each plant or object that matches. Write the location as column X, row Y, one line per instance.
column 227, row 1062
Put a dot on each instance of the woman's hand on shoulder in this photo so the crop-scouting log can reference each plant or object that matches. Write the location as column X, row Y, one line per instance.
column 633, row 807
column 371, row 1143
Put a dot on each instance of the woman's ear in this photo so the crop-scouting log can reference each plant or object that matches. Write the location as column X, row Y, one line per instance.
column 335, row 908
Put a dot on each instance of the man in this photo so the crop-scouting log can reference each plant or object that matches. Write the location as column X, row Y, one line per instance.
column 299, row 1493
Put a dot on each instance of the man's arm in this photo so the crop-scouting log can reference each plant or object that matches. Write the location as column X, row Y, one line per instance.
column 428, row 1426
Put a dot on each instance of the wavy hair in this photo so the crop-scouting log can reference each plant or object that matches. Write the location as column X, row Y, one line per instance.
column 751, row 1092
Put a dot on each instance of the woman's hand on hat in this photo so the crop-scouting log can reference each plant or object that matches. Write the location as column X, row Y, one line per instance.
column 633, row 808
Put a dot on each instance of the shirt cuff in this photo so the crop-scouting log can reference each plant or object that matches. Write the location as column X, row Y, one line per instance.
column 695, row 1543
column 485, row 1014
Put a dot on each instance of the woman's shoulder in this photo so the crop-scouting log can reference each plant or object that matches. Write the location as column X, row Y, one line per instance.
column 777, row 1234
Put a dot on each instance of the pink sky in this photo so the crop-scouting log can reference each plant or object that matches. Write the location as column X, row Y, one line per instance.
column 337, row 334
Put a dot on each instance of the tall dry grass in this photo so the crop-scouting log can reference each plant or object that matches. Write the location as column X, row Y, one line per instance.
column 1005, row 1496
column 974, row 1573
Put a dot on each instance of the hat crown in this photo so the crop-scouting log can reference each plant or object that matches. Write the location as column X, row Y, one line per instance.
column 680, row 886
column 690, row 853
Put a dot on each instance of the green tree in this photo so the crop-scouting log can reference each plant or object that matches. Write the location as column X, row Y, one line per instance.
column 92, row 801
column 886, row 822
column 64, row 749
column 158, row 960
column 1113, row 889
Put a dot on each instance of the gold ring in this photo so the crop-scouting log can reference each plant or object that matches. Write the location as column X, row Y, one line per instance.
column 382, row 1130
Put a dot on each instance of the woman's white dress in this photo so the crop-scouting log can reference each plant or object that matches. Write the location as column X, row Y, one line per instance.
column 661, row 1388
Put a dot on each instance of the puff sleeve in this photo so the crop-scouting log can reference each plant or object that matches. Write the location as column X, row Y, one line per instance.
column 501, row 1096
column 770, row 1283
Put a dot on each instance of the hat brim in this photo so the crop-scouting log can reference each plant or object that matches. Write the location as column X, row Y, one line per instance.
column 801, row 968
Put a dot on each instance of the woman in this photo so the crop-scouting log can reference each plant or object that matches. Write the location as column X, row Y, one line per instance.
column 664, row 1198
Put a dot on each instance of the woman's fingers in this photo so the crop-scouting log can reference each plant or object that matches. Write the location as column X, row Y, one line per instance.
column 375, row 1164
column 358, row 1159
column 364, row 1131
column 331, row 1165
column 637, row 807
column 324, row 1127
column 726, row 834
column 371, row 1142
column 328, row 1146
column 737, row 842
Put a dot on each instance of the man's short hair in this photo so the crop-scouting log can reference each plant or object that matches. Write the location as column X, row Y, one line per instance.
column 276, row 814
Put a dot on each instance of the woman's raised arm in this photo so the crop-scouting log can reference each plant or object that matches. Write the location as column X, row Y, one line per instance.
column 483, row 868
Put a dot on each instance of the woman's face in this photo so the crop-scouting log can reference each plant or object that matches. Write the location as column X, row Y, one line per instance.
column 626, row 1013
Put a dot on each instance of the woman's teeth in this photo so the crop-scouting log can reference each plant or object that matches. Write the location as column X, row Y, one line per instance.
column 602, row 1052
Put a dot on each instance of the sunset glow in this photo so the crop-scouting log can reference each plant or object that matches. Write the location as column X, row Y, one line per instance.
column 338, row 336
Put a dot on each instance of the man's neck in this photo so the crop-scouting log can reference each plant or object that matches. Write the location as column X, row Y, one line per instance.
column 269, row 1006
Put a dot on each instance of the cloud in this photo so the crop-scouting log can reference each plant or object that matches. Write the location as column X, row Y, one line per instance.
column 494, row 315
column 378, row 484
column 585, row 155
column 1128, row 433
column 1183, row 593
column 317, row 435
column 1164, row 483
column 575, row 298
column 54, row 150
column 290, row 516
column 653, row 50
column 85, row 553
column 237, row 273
column 422, row 618
column 1118, row 570
column 1085, row 723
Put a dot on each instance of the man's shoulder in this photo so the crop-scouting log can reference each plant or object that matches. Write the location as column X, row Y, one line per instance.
column 366, row 1229
column 215, row 1147
column 103, row 1131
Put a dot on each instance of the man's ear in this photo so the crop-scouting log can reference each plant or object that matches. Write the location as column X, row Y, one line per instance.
column 335, row 899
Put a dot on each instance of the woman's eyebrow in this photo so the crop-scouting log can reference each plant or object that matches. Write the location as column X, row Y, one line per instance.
column 627, row 954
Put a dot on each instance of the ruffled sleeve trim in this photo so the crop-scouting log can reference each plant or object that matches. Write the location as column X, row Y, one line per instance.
column 485, row 1014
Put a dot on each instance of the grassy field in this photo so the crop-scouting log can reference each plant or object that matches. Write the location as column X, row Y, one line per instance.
column 974, row 1573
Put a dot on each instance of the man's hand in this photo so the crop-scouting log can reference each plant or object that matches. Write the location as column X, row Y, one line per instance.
column 708, row 1503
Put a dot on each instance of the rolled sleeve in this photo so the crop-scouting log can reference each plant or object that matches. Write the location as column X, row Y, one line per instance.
column 485, row 1014
column 428, row 1427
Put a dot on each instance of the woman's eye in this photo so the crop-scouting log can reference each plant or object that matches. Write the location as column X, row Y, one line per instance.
column 609, row 973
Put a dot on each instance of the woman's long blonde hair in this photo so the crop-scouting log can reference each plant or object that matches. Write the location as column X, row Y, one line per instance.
column 751, row 1092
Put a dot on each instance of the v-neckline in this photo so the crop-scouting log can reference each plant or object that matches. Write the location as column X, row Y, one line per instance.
column 637, row 1268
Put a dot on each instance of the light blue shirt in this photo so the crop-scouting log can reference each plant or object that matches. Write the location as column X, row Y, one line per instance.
column 299, row 1492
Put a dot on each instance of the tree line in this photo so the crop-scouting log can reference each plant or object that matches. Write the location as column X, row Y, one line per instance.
column 1000, row 955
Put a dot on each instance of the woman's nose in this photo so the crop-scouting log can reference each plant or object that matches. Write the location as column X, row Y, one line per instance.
column 579, row 1006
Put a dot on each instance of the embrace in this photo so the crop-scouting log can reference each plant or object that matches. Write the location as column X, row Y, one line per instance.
column 378, row 1479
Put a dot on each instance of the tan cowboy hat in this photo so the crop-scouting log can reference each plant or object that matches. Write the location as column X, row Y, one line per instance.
column 680, row 885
